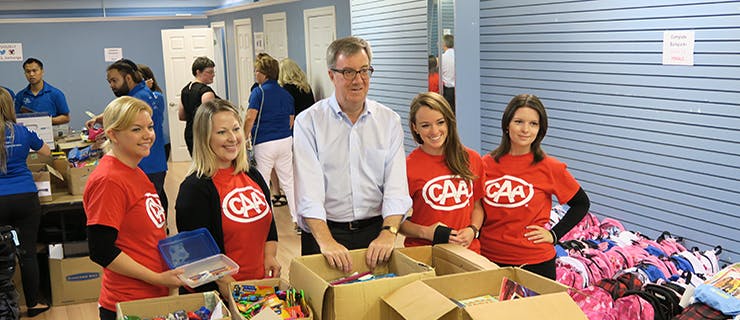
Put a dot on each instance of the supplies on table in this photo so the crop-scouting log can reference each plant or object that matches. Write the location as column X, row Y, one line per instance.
column 203, row 306
column 722, row 291
column 198, row 255
column 267, row 299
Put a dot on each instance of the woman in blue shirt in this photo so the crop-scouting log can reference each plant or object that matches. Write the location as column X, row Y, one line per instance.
column 19, row 196
column 269, row 124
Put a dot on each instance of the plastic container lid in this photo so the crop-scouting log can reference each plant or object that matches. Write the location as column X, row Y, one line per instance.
column 198, row 255
column 187, row 247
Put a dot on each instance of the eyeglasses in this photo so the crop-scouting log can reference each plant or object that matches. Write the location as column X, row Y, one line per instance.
column 350, row 74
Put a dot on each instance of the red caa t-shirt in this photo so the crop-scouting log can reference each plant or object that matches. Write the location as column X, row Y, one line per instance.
column 519, row 194
column 123, row 198
column 246, row 217
column 439, row 196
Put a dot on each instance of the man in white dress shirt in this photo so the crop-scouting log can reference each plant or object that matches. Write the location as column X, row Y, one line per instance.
column 448, row 69
column 350, row 167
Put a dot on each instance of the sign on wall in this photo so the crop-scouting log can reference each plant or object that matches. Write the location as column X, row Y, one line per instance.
column 11, row 52
column 113, row 54
column 678, row 47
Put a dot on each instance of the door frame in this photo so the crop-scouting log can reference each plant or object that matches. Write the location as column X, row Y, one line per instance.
column 220, row 58
column 240, row 73
column 279, row 15
column 307, row 14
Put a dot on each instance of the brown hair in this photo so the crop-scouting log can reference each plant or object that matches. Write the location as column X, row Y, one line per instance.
column 456, row 157
column 522, row 101
column 347, row 46
column 268, row 66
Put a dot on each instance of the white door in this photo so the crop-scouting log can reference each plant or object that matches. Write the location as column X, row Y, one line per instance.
column 276, row 35
column 179, row 48
column 321, row 31
column 244, row 60
column 219, row 49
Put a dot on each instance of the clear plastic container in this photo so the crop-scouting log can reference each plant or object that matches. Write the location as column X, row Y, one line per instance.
column 197, row 253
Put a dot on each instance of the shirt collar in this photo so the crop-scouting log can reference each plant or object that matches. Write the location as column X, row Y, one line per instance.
column 369, row 107
column 136, row 88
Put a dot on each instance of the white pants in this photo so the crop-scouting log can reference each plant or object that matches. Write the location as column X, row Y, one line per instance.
column 278, row 154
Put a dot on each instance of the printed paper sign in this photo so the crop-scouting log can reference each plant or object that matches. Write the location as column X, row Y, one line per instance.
column 678, row 48
column 113, row 54
column 11, row 52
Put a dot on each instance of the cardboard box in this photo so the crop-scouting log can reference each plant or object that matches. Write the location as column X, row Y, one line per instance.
column 273, row 282
column 77, row 178
column 74, row 280
column 430, row 298
column 312, row 274
column 43, row 175
column 38, row 123
column 448, row 258
column 148, row 308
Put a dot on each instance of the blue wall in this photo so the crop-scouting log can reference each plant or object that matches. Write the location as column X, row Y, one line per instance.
column 296, row 35
column 72, row 53
column 655, row 146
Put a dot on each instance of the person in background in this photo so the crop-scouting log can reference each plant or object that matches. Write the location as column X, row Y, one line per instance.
column 268, row 124
column 19, row 196
column 448, row 69
column 125, row 79
column 445, row 179
column 40, row 96
column 152, row 84
column 294, row 81
column 194, row 94
column 521, row 180
column 433, row 74
column 349, row 165
column 125, row 218
column 228, row 197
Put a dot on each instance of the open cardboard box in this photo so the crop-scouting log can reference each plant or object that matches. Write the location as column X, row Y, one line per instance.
column 149, row 308
column 430, row 298
column 312, row 274
column 264, row 315
column 448, row 258
column 43, row 175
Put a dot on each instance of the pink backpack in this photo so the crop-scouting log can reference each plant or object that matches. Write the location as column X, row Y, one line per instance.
column 610, row 226
column 596, row 303
column 633, row 307
column 567, row 275
column 588, row 228
column 669, row 244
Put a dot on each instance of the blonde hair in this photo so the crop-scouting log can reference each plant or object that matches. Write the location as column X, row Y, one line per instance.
column 121, row 113
column 204, row 159
column 291, row 73
column 7, row 119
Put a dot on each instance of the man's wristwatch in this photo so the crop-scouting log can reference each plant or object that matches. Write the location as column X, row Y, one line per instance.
column 476, row 232
column 391, row 229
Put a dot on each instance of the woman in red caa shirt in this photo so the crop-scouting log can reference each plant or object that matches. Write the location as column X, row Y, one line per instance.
column 520, row 182
column 445, row 179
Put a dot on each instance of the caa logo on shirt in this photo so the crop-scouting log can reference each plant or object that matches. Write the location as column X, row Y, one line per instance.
column 245, row 205
column 447, row 193
column 154, row 210
column 508, row 192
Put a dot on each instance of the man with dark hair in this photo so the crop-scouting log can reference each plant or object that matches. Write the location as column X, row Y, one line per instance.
column 448, row 69
column 350, row 168
column 125, row 79
column 40, row 96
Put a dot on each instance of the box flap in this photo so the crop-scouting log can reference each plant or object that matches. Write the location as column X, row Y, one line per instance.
column 551, row 306
column 303, row 278
column 452, row 258
column 55, row 172
column 408, row 303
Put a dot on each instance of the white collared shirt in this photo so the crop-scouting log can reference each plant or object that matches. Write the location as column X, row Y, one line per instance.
column 344, row 171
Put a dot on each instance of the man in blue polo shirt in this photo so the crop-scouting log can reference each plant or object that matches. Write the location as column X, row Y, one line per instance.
column 39, row 96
